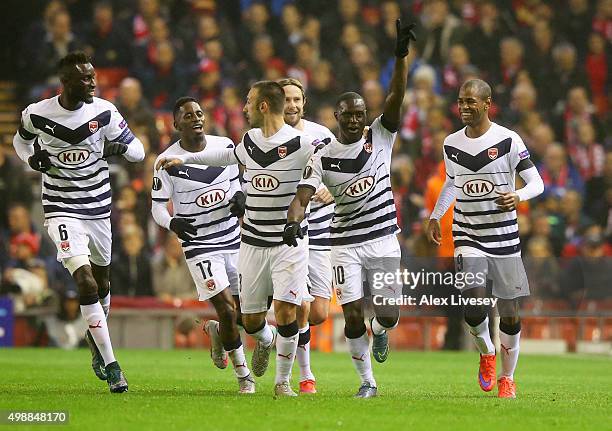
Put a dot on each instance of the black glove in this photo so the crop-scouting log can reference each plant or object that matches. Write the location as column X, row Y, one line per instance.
column 183, row 228
column 114, row 149
column 404, row 34
column 291, row 232
column 40, row 161
column 237, row 203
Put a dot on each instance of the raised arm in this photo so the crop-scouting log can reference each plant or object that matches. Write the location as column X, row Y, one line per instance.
column 397, row 89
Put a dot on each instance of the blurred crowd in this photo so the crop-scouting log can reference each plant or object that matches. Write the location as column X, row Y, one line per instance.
column 546, row 61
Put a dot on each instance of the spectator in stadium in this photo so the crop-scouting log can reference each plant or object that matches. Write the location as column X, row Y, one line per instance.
column 374, row 96
column 599, row 197
column 131, row 274
column 208, row 29
column 13, row 188
column 597, row 70
column 255, row 24
column 575, row 22
column 541, row 137
column 306, row 58
column 171, row 278
column 602, row 19
column 558, row 175
column 43, row 59
column 511, row 52
column 208, row 85
column 322, row 89
column 573, row 220
column 24, row 275
column 586, row 154
column 163, row 78
column 577, row 109
column 566, row 72
column 540, row 61
column 137, row 111
column 66, row 327
column 108, row 42
column 443, row 29
column 228, row 115
column 542, row 269
column 142, row 20
column 389, row 13
column 522, row 103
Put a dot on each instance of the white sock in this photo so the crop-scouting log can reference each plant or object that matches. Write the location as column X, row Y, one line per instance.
column 482, row 337
column 285, row 355
column 359, row 349
column 106, row 304
column 94, row 315
column 303, row 358
column 509, row 345
column 377, row 328
column 264, row 335
column 239, row 362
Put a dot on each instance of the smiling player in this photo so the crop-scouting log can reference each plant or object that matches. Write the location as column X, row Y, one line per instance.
column 481, row 162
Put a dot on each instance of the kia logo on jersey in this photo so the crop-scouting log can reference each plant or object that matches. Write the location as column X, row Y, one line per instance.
column 492, row 153
column 73, row 157
column 478, row 188
column 210, row 198
column 93, row 126
column 264, row 182
column 360, row 187
column 282, row 151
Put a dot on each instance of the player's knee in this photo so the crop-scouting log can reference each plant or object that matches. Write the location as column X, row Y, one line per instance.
column 253, row 323
column 288, row 330
column 474, row 315
column 316, row 318
column 354, row 331
column 389, row 322
column 226, row 314
column 510, row 325
column 86, row 282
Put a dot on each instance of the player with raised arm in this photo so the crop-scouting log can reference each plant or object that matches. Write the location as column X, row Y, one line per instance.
column 356, row 170
column 207, row 202
column 481, row 161
column 68, row 138
column 319, row 220
column 274, row 154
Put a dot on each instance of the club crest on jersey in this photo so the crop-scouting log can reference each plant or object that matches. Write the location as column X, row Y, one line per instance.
column 65, row 246
column 73, row 157
column 282, row 151
column 210, row 284
column 492, row 153
column 93, row 126
column 360, row 187
column 478, row 188
column 157, row 184
column 367, row 147
column 210, row 198
column 264, row 183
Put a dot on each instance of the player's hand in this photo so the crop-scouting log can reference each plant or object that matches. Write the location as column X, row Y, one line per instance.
column 40, row 161
column 183, row 228
column 323, row 196
column 291, row 232
column 237, row 204
column 507, row 201
column 434, row 233
column 165, row 163
column 114, row 149
column 404, row 35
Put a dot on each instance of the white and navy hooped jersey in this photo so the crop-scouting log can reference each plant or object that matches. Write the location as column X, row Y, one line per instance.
column 274, row 167
column 319, row 220
column 202, row 193
column 357, row 175
column 481, row 167
column 79, row 185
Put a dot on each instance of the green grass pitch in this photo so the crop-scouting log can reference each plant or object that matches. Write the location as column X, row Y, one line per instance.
column 181, row 390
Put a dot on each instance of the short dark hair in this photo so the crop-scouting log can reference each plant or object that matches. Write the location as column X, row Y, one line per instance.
column 292, row 81
column 351, row 95
column 272, row 93
column 483, row 90
column 180, row 102
column 72, row 59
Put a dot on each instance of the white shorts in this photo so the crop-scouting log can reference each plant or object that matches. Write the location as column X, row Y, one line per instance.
column 351, row 265
column 320, row 273
column 75, row 237
column 506, row 274
column 280, row 272
column 213, row 273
